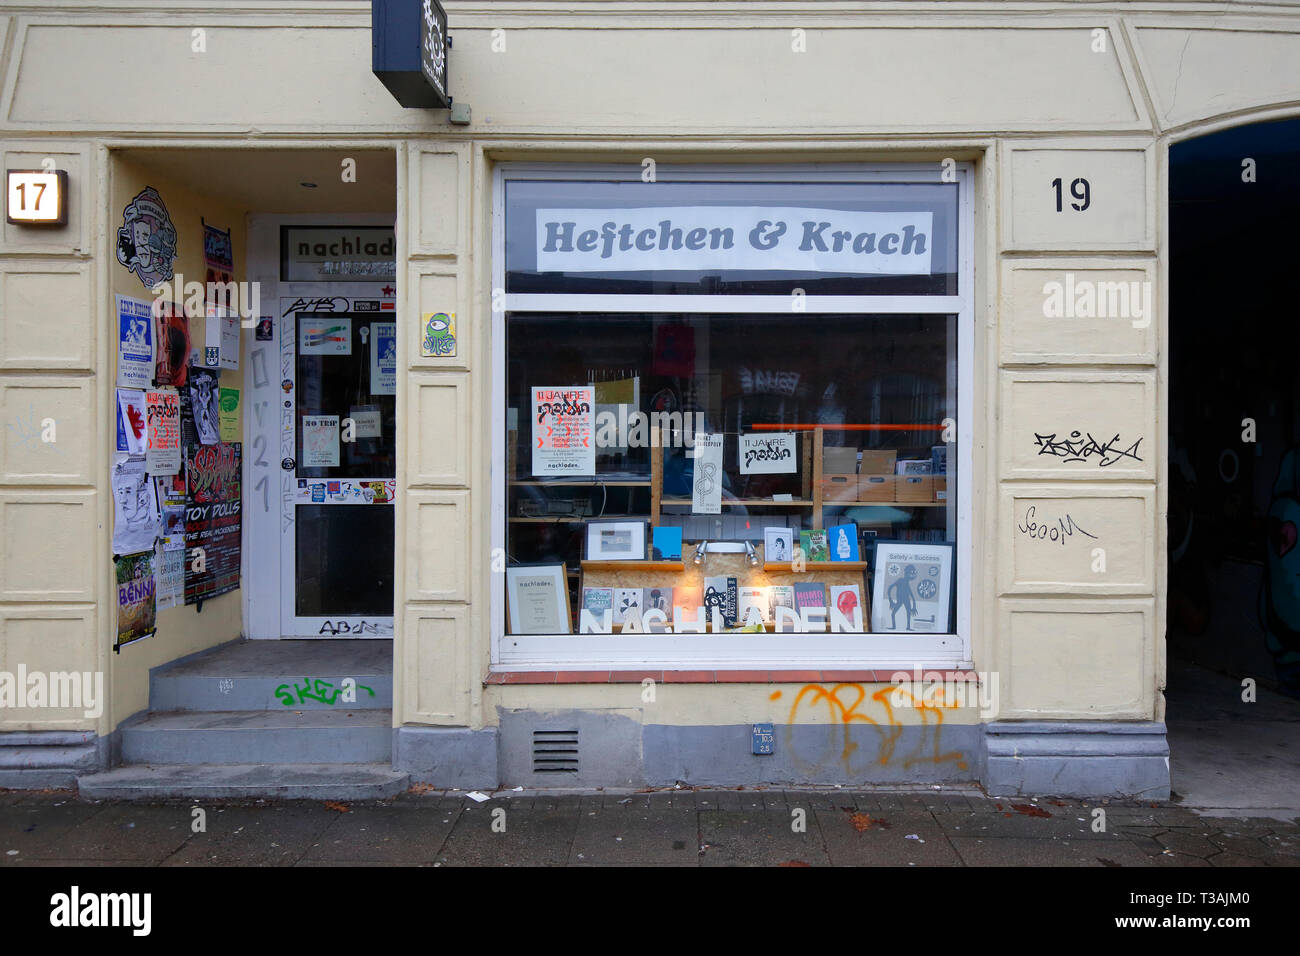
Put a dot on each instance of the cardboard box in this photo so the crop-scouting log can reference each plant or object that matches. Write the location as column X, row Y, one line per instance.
column 839, row 488
column 878, row 461
column 877, row 487
column 839, row 461
column 940, row 487
column 915, row 488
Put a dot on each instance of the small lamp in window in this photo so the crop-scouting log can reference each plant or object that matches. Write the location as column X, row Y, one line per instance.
column 701, row 550
column 751, row 554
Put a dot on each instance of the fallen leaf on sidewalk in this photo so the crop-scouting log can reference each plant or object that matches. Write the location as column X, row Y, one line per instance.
column 794, row 863
column 420, row 788
column 1029, row 810
column 336, row 806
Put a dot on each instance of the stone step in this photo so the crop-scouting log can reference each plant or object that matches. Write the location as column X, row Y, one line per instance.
column 249, row 737
column 303, row 781
column 276, row 676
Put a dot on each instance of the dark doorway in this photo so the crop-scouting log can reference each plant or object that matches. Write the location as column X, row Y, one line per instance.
column 1234, row 465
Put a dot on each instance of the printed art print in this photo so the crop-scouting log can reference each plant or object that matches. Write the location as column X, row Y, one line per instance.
column 146, row 240
column 136, row 521
column 137, row 610
column 135, row 365
column 913, row 587
column 172, row 336
column 213, row 519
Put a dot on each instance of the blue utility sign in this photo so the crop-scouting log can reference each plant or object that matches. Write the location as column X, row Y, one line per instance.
column 764, row 739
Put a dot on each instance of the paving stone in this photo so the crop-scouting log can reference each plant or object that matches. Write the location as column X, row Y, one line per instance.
column 886, row 846
column 1240, row 844
column 641, row 836
column 268, row 836
column 1286, row 843
column 122, row 831
column 30, row 827
column 759, row 838
column 530, row 839
column 400, row 836
column 726, row 800
column 775, row 800
column 1020, row 851
column 1235, row 859
column 1189, row 842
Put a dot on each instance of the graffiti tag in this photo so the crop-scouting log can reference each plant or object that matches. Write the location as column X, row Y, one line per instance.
column 1079, row 446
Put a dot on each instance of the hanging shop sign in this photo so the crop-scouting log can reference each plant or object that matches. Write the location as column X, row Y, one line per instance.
column 408, row 47
column 740, row 238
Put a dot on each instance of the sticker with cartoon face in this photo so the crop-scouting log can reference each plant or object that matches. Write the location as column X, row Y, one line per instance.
column 439, row 334
column 146, row 240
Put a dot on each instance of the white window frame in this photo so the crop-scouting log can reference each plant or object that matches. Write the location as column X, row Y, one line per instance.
column 868, row 651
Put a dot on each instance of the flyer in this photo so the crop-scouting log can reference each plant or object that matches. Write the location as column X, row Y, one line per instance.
column 212, row 520
column 136, row 606
column 163, row 452
column 135, row 507
column 169, row 577
column 383, row 358
column 324, row 335
column 132, row 429
column 706, row 485
column 367, row 421
column 199, row 420
column 320, row 441
column 135, row 365
column 172, row 333
column 563, row 439
column 767, row 454
column 228, row 414
column 171, row 503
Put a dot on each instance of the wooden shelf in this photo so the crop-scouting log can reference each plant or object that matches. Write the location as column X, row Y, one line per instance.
column 678, row 566
column 885, row 504
column 766, row 502
column 551, row 519
column 593, row 483
column 811, row 566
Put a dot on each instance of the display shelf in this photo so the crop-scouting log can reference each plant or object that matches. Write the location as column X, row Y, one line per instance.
column 589, row 483
column 885, row 504
column 676, row 566
column 813, row 566
column 751, row 502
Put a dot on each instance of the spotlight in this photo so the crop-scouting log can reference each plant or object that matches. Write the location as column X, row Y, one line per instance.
column 701, row 550
column 751, row 554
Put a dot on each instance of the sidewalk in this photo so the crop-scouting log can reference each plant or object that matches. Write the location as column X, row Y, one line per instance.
column 659, row 828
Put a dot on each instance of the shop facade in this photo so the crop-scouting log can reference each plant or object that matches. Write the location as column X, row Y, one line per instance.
column 656, row 247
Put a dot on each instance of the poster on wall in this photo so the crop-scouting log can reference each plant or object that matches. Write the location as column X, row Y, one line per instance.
column 135, row 507
column 706, row 484
column 563, row 439
column 324, row 335
column 320, row 441
column 137, row 610
column 146, row 240
column 200, row 421
column 218, row 257
column 171, row 504
column 228, row 410
column 212, row 520
column 172, row 336
column 135, row 364
column 766, row 454
column 169, row 577
column 383, row 358
column 220, row 338
column 132, row 429
column 163, row 452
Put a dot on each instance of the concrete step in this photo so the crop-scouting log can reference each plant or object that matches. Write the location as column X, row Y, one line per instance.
column 278, row 675
column 250, row 737
column 304, row 781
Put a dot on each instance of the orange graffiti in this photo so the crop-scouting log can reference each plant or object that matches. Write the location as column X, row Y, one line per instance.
column 844, row 711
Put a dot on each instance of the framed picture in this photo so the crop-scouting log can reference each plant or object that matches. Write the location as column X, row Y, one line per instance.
column 779, row 544
column 912, row 588
column 616, row 540
column 537, row 596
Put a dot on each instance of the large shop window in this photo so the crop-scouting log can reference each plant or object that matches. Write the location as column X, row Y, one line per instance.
column 728, row 418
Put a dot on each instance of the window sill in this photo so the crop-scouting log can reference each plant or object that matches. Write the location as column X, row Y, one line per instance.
column 719, row 676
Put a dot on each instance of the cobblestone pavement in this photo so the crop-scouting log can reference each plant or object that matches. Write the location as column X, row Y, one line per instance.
column 676, row 827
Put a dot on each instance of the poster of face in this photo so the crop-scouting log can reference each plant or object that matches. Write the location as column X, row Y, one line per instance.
column 135, row 365
column 132, row 430
column 913, row 587
column 135, row 508
column 563, row 438
column 172, row 328
column 146, row 240
column 212, row 520
column 383, row 358
column 200, row 419
column 320, row 441
column 136, row 605
column 163, row 452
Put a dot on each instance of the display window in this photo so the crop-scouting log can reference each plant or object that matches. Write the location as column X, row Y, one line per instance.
column 727, row 417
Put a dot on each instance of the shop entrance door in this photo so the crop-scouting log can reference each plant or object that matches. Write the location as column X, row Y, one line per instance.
column 338, row 434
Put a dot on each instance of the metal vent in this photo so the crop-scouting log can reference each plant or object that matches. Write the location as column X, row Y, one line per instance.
column 555, row 751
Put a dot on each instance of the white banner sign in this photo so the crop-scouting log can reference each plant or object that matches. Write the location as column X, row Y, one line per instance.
column 734, row 238
column 767, row 454
column 706, row 487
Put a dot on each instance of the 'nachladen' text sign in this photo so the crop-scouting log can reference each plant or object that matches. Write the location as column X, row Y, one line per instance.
column 766, row 238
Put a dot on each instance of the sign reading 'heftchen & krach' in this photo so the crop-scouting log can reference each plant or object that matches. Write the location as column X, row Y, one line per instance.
column 766, row 238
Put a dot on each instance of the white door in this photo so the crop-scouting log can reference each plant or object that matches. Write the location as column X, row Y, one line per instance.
column 323, row 444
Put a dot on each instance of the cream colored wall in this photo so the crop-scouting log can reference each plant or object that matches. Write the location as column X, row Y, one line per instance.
column 181, row 630
column 1022, row 92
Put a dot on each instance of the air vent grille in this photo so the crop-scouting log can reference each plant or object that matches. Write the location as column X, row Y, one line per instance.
column 555, row 751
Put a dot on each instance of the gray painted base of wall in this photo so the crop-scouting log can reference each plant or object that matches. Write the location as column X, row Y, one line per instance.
column 1077, row 759
column 447, row 757
column 35, row 760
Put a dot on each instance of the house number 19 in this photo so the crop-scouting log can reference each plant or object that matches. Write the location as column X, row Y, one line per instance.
column 1079, row 189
